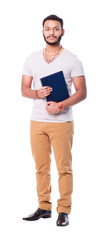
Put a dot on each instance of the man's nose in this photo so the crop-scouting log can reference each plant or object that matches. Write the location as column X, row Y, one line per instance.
column 51, row 31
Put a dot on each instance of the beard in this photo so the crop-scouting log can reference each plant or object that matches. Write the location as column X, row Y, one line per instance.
column 53, row 43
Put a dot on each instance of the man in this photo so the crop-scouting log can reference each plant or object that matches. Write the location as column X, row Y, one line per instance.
column 52, row 122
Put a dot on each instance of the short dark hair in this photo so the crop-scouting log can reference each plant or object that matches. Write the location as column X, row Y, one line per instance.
column 53, row 17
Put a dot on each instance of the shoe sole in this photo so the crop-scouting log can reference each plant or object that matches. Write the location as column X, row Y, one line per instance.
column 62, row 225
column 44, row 216
column 47, row 216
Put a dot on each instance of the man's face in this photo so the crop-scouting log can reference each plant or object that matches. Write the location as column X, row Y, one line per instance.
column 52, row 32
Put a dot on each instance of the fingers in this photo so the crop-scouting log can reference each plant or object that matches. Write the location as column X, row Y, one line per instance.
column 45, row 91
column 48, row 93
column 48, row 103
column 48, row 89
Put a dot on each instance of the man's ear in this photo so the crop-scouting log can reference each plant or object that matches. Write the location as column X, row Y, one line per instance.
column 63, row 31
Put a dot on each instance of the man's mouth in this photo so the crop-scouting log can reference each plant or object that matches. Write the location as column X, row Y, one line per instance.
column 51, row 37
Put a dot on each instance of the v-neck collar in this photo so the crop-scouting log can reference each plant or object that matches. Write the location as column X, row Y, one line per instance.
column 54, row 59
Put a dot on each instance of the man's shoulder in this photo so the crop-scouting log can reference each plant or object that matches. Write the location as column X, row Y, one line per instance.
column 69, row 53
column 72, row 56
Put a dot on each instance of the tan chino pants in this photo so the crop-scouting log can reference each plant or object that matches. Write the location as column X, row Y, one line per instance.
column 43, row 135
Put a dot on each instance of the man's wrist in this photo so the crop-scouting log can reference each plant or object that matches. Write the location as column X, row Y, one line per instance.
column 61, row 106
column 37, row 95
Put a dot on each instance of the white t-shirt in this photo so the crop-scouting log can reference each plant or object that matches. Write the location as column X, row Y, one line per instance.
column 36, row 66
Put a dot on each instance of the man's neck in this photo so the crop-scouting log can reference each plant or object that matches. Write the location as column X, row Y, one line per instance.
column 52, row 49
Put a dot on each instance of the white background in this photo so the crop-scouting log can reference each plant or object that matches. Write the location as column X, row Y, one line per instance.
column 85, row 24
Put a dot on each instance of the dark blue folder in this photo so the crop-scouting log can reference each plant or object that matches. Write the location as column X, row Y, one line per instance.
column 58, row 84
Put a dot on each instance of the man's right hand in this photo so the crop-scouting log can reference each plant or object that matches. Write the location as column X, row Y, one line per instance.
column 28, row 92
column 44, row 91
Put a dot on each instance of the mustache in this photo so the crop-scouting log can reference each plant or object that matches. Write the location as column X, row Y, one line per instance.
column 52, row 36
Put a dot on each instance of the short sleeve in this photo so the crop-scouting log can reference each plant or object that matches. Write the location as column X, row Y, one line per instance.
column 77, row 68
column 26, row 68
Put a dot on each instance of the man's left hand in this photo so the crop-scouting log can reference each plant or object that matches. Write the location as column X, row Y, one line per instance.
column 52, row 107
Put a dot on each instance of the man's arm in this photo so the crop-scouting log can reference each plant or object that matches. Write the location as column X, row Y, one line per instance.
column 29, row 93
column 79, row 95
column 26, row 87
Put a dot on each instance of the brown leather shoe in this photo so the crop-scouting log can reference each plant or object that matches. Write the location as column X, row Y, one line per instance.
column 39, row 213
column 63, row 219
